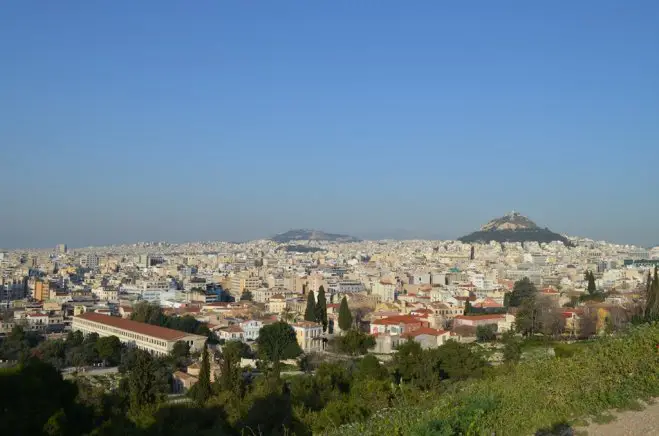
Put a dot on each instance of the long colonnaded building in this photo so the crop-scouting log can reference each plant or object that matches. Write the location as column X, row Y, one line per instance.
column 152, row 338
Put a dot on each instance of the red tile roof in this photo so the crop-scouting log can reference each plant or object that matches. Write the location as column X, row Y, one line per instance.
column 398, row 319
column 488, row 302
column 480, row 317
column 306, row 324
column 135, row 327
column 234, row 329
column 425, row 331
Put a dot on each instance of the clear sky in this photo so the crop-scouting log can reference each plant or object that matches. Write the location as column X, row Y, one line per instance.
column 125, row 121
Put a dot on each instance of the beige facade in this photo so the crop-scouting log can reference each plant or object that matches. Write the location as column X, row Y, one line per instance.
column 154, row 339
column 309, row 336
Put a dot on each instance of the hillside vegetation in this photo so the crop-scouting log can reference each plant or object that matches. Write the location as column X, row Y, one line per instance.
column 612, row 373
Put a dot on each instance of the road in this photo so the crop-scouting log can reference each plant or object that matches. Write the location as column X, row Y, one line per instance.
column 629, row 423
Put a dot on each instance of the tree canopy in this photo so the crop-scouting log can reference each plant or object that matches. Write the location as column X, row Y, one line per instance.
column 201, row 391
column 345, row 317
column 321, row 308
column 277, row 342
column 523, row 290
column 355, row 343
column 310, row 312
column 592, row 287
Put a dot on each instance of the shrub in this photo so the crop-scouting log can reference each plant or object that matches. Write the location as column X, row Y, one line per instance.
column 610, row 373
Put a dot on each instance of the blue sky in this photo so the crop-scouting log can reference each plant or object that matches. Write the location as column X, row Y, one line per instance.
column 166, row 120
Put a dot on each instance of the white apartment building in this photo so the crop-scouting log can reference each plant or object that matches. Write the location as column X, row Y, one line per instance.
column 385, row 290
column 419, row 278
column 345, row 287
column 251, row 329
column 154, row 339
column 107, row 294
column 90, row 261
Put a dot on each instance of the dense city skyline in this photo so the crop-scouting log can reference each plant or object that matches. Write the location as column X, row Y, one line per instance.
column 123, row 122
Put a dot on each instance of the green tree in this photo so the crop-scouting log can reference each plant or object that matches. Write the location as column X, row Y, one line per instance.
column 109, row 350
column 73, row 339
column 652, row 297
column 202, row 389
column 148, row 313
column 355, row 343
column 459, row 360
column 468, row 308
column 406, row 361
column 36, row 400
column 310, row 312
column 523, row 290
column 276, row 342
column 370, row 368
column 345, row 317
column 52, row 352
column 246, row 295
column 526, row 318
column 287, row 315
column 230, row 379
column 512, row 347
column 180, row 354
column 146, row 384
column 321, row 308
column 486, row 333
column 592, row 288
column 18, row 344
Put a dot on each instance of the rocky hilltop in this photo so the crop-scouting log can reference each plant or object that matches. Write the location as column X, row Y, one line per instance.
column 311, row 235
column 513, row 227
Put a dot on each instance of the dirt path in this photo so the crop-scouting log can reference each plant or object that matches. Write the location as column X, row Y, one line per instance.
column 629, row 423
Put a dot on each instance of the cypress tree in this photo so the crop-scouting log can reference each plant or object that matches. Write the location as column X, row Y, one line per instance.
column 202, row 390
column 467, row 310
column 652, row 299
column 310, row 312
column 321, row 308
column 592, row 288
column 345, row 317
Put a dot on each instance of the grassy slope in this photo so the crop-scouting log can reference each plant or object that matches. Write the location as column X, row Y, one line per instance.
column 611, row 373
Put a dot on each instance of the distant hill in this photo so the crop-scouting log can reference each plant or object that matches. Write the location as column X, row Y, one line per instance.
column 513, row 227
column 311, row 235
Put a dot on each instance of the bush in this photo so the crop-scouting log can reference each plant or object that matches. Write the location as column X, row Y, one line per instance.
column 610, row 373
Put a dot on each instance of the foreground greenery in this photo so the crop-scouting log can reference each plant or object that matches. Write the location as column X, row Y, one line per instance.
column 613, row 372
column 444, row 391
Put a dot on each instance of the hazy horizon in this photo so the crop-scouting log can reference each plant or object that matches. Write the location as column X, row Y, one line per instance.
column 143, row 121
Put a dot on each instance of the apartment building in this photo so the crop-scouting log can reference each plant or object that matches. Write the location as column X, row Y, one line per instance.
column 346, row 287
column 309, row 336
column 385, row 290
column 154, row 339
column 276, row 303
column 242, row 281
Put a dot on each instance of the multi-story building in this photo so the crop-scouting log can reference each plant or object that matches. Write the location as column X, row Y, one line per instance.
column 232, row 333
column 309, row 336
column 346, row 287
column 243, row 281
column 154, row 339
column 385, row 290
column 251, row 329
column 90, row 261
column 397, row 325
column 276, row 303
